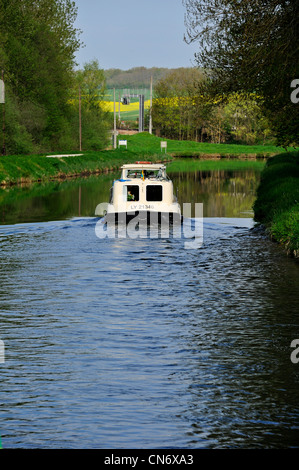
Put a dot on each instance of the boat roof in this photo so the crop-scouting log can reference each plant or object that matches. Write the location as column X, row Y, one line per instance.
column 141, row 165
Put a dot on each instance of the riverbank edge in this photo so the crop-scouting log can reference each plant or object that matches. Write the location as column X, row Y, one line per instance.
column 277, row 203
column 103, row 167
column 22, row 169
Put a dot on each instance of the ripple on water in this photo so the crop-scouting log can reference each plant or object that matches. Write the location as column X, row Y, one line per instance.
column 142, row 343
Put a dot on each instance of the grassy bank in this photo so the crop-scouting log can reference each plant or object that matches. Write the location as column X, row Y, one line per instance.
column 178, row 165
column 277, row 203
column 183, row 148
column 31, row 168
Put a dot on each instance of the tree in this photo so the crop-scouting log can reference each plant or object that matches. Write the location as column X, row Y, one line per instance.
column 185, row 108
column 243, row 119
column 251, row 46
column 175, row 112
column 90, row 83
column 39, row 42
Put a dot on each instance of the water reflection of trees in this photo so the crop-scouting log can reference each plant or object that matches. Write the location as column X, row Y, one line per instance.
column 223, row 193
column 54, row 200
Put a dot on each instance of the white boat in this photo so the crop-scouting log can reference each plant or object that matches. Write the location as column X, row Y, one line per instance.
column 143, row 190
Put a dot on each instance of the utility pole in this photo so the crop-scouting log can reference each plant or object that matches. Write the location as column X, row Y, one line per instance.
column 80, row 122
column 114, row 130
column 150, row 112
column 2, row 100
column 141, row 113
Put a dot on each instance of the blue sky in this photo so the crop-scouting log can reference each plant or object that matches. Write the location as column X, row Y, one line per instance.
column 132, row 33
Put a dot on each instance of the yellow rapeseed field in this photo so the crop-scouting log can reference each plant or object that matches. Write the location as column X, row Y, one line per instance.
column 180, row 101
column 109, row 106
column 172, row 102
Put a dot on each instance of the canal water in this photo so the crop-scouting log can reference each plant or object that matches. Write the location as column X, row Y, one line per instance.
column 141, row 343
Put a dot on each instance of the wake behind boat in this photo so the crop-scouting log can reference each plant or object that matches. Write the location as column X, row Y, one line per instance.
column 143, row 190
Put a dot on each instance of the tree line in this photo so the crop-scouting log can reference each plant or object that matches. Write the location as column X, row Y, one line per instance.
column 184, row 108
column 136, row 77
column 37, row 57
column 239, row 90
column 250, row 46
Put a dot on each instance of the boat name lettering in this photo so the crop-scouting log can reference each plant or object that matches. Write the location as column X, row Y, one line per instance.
column 139, row 207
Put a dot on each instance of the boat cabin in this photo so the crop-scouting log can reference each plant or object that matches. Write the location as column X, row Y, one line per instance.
column 145, row 187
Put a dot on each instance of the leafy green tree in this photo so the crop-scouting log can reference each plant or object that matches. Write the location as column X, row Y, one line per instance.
column 251, row 46
column 39, row 42
column 90, row 85
column 185, row 108
column 17, row 139
column 174, row 111
column 244, row 120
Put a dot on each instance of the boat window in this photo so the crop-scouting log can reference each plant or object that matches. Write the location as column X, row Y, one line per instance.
column 146, row 174
column 134, row 174
column 132, row 193
column 154, row 192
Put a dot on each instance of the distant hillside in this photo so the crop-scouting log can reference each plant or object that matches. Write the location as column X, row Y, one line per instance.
column 137, row 77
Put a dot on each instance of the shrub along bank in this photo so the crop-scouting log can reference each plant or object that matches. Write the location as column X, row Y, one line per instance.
column 277, row 203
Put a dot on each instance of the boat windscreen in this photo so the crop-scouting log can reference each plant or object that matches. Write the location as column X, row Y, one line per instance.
column 146, row 174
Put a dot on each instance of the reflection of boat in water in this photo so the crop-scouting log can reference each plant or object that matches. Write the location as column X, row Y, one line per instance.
column 143, row 190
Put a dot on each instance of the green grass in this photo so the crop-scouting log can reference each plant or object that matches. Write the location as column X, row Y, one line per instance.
column 277, row 203
column 182, row 165
column 141, row 146
column 178, row 148
column 16, row 169
column 128, row 114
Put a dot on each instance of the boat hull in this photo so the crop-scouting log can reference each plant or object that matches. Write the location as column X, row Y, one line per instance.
column 148, row 217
